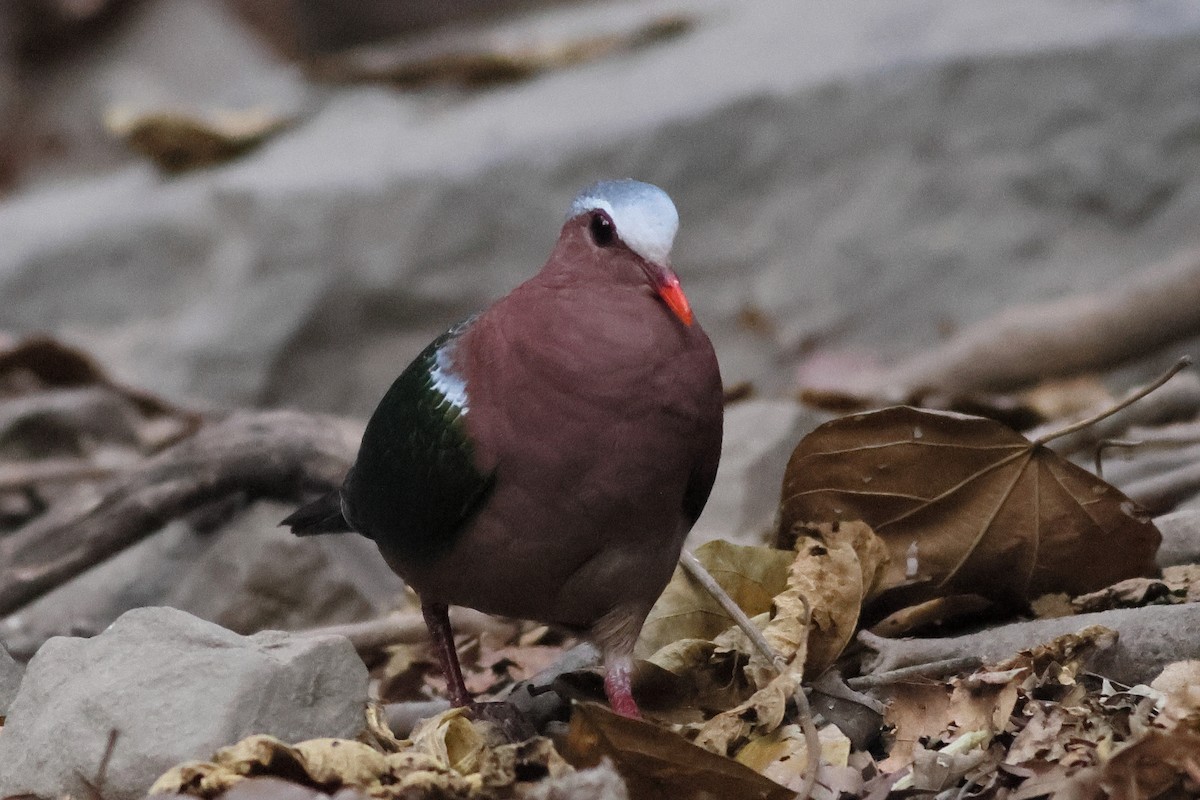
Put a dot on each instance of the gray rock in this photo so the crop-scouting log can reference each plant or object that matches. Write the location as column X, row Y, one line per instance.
column 759, row 438
column 186, row 56
column 257, row 575
column 860, row 173
column 10, row 679
column 601, row 782
column 248, row 575
column 174, row 688
column 1181, row 537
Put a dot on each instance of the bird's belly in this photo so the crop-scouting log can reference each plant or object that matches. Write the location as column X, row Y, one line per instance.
column 552, row 563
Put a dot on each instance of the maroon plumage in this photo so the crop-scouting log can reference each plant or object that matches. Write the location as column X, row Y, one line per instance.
column 592, row 406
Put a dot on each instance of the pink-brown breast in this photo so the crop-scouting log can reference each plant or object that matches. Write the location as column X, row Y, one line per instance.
column 600, row 414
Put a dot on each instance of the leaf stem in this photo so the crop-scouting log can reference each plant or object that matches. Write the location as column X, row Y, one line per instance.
column 1128, row 400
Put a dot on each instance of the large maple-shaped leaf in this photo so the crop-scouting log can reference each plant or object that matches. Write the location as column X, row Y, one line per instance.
column 983, row 509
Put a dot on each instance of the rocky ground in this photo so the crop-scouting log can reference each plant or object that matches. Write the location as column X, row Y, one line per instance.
column 859, row 183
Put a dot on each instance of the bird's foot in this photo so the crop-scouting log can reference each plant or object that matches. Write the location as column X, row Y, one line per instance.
column 617, row 686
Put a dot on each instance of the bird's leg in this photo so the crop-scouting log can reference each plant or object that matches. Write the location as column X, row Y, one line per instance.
column 616, row 633
column 437, row 619
column 617, row 673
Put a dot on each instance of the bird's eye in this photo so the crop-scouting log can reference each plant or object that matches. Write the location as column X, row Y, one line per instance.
column 603, row 232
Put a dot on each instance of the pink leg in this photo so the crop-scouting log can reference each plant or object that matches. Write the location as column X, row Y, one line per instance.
column 617, row 672
column 437, row 619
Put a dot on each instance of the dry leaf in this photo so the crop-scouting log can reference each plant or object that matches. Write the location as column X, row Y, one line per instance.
column 760, row 715
column 926, row 617
column 328, row 765
column 1178, row 584
column 836, row 568
column 657, row 763
column 914, row 711
column 178, row 141
column 752, row 576
column 470, row 60
column 936, row 770
column 1162, row 764
column 504, row 767
column 782, row 755
column 987, row 511
column 339, row 762
column 1180, row 685
column 451, row 738
column 1063, row 657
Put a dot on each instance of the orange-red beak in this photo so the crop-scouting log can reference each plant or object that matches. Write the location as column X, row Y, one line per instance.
column 672, row 294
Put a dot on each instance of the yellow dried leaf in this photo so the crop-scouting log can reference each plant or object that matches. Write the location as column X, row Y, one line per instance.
column 258, row 755
column 341, row 762
column 752, row 576
column 782, row 755
column 760, row 715
column 197, row 778
column 451, row 739
column 509, row 764
column 321, row 762
column 177, row 141
column 379, row 733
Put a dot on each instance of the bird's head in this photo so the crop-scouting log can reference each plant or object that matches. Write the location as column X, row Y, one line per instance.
column 629, row 227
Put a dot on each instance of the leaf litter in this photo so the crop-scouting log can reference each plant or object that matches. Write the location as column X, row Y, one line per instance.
column 1036, row 725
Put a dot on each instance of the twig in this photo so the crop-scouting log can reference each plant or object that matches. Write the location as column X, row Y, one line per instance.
column 1147, row 640
column 1157, row 306
column 696, row 570
column 812, row 739
column 278, row 454
column 20, row 475
column 1104, row 444
column 1178, row 400
column 1128, row 400
column 932, row 669
column 95, row 786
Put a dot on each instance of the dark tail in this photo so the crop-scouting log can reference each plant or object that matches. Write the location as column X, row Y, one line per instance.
column 323, row 515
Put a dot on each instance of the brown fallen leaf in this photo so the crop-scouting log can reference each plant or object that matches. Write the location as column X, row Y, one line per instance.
column 656, row 763
column 927, row 617
column 967, row 505
column 178, row 141
column 915, row 710
column 836, row 569
column 1178, row 584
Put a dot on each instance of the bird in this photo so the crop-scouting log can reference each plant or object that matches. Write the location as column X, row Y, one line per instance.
column 545, row 458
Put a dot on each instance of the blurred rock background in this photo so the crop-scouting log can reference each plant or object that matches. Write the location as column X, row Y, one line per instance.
column 855, row 177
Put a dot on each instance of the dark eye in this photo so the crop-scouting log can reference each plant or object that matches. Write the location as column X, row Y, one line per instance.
column 603, row 232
